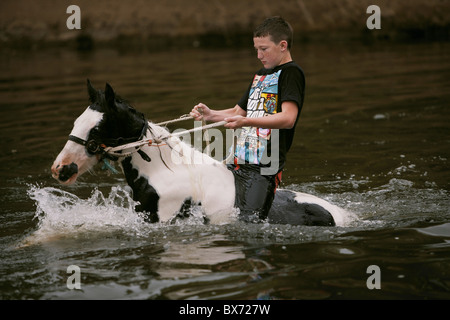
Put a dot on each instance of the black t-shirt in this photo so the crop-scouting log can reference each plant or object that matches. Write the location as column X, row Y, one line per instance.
column 268, row 90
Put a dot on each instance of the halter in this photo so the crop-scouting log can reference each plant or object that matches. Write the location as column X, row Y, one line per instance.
column 114, row 152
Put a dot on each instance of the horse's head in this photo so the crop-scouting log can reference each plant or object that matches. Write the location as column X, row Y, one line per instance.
column 108, row 122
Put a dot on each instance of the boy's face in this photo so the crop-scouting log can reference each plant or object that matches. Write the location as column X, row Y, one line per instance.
column 270, row 53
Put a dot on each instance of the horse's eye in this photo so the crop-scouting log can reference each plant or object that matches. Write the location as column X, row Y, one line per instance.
column 92, row 146
column 94, row 130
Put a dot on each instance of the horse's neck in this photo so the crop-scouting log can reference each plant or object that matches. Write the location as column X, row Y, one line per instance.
column 174, row 155
column 171, row 158
column 177, row 172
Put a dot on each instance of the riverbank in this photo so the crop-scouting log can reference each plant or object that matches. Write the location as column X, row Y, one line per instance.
column 140, row 23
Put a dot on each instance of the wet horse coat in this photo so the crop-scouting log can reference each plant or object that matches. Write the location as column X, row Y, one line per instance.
column 164, row 179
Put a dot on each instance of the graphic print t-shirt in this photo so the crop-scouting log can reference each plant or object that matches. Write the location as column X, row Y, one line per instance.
column 268, row 90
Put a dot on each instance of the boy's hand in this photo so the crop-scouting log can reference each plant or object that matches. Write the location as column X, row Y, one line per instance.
column 235, row 122
column 200, row 111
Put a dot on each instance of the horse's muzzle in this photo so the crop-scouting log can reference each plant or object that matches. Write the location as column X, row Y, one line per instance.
column 66, row 171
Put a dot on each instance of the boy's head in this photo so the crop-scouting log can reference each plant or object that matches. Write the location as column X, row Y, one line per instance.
column 277, row 28
column 272, row 41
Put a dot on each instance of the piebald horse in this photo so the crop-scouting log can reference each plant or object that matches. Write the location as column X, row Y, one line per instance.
column 164, row 181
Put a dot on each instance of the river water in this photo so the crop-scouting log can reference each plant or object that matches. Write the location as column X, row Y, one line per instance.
column 373, row 138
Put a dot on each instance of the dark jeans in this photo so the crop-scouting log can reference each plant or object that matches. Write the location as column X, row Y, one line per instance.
column 254, row 192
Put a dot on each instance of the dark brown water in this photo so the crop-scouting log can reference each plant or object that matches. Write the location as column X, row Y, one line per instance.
column 373, row 138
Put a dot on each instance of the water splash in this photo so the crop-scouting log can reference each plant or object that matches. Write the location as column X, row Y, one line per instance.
column 63, row 214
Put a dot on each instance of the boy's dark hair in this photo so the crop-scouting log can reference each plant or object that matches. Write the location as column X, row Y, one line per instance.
column 277, row 28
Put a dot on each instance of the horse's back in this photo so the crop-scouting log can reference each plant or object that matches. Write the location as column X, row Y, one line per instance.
column 295, row 208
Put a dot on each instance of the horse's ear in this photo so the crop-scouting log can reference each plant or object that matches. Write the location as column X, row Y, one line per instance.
column 91, row 91
column 110, row 97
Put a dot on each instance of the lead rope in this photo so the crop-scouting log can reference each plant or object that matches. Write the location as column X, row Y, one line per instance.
column 117, row 151
column 204, row 131
column 182, row 118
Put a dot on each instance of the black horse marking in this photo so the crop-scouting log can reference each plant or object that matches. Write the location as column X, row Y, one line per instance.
column 121, row 123
column 286, row 210
column 142, row 191
column 186, row 209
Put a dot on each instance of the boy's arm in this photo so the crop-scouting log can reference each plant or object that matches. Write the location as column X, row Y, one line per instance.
column 202, row 111
column 281, row 120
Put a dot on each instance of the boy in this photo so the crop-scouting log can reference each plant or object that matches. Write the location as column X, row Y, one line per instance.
column 267, row 115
